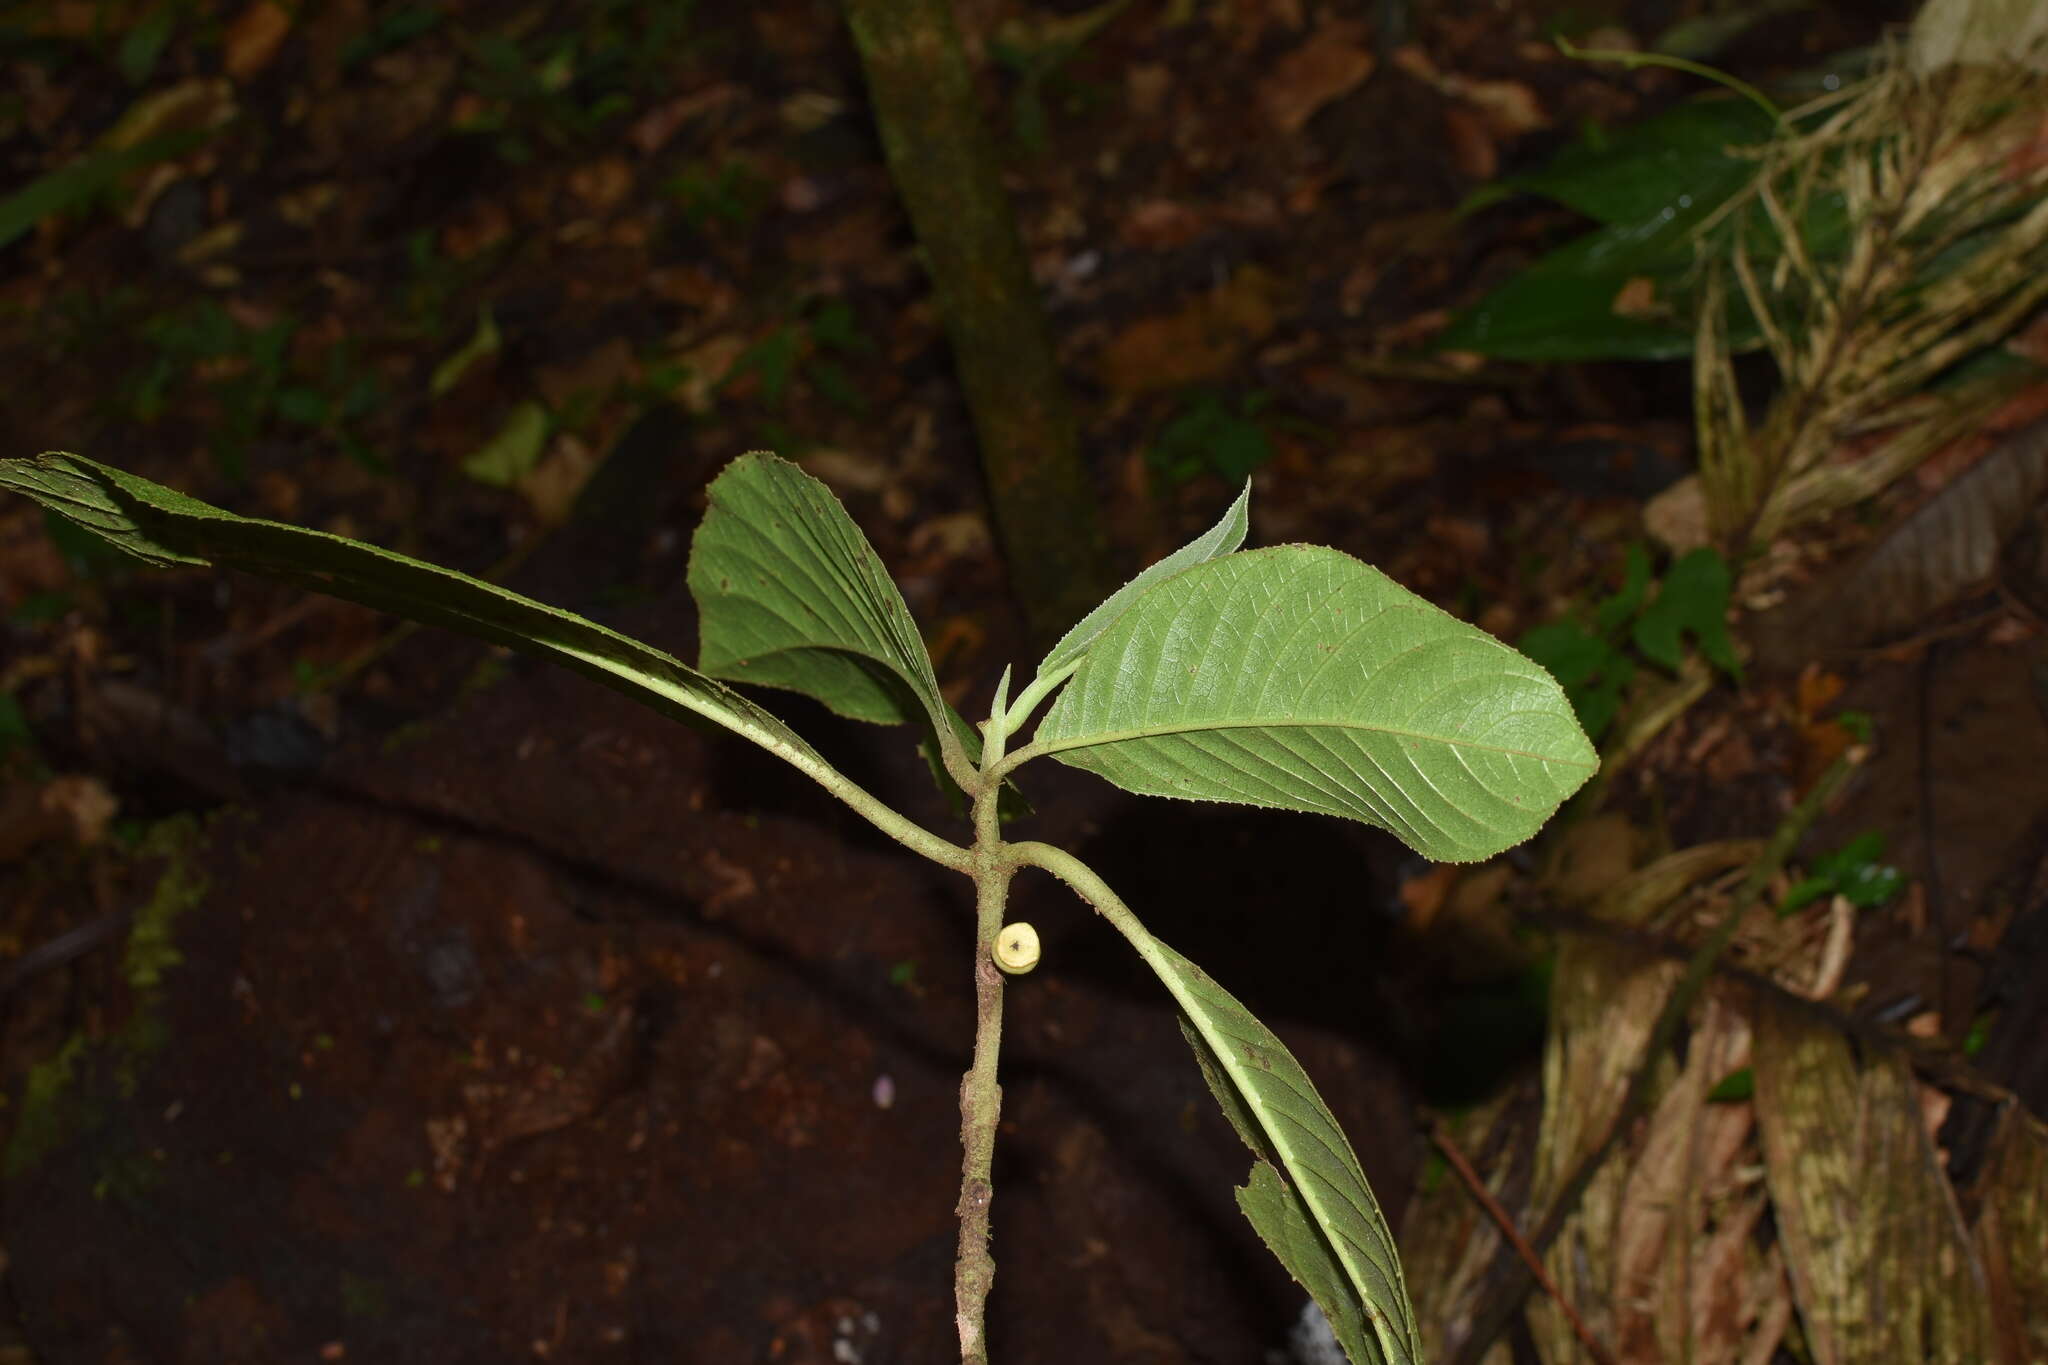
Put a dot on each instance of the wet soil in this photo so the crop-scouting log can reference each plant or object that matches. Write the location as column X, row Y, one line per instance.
column 560, row 1031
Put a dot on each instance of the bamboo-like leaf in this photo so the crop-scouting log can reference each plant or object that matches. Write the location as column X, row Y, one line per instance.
column 1221, row 539
column 1307, row 1197
column 1300, row 678
column 165, row 527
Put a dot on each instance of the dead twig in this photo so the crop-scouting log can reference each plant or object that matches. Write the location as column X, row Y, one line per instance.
column 1476, row 1187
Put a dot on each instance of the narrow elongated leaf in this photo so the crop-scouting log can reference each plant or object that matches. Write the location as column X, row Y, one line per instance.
column 1623, row 292
column 164, row 527
column 793, row 596
column 1307, row 1197
column 1221, row 539
column 1298, row 677
column 1679, row 161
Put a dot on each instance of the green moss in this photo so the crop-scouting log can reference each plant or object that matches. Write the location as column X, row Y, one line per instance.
column 363, row 1298
column 45, row 1120
column 152, row 950
column 52, row 1111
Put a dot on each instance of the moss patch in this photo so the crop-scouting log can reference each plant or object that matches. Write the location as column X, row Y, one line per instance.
column 53, row 1111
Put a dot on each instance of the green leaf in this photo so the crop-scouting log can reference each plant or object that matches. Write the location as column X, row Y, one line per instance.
column 1679, row 161
column 1297, row 677
column 483, row 343
column 1598, row 702
column 1854, row 872
column 1611, row 613
column 1572, row 654
column 1871, row 884
column 1702, row 37
column 1805, row 892
column 1211, row 435
column 1221, row 539
column 1569, row 304
column 1733, row 1088
column 14, row 727
column 514, row 451
column 1308, row 1197
column 85, row 179
column 164, row 527
column 1694, row 598
column 1631, row 289
column 1858, row 852
column 792, row 595
column 144, row 43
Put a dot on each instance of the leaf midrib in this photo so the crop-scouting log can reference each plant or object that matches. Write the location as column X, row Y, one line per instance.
column 1040, row 747
column 1224, row 1046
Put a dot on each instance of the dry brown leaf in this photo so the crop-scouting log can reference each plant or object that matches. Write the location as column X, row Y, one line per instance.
column 603, row 184
column 1637, row 298
column 653, row 129
column 1424, row 894
column 1162, row 224
column 599, row 371
column 847, row 471
column 1604, row 1001
column 1473, row 149
column 1333, row 62
column 1875, row 1246
column 74, row 807
column 1204, row 341
column 953, row 536
column 1677, row 517
column 2011, row 1233
column 1681, row 1272
column 1593, row 857
column 192, row 104
column 252, row 39
column 1650, row 889
column 1942, row 550
column 551, row 486
column 1510, row 108
column 705, row 367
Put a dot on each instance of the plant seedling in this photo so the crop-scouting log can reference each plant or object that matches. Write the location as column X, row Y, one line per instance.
column 1587, row 656
column 1852, row 871
column 1293, row 677
column 1212, row 435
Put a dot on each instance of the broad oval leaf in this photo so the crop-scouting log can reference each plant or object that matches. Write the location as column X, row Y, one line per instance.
column 792, row 595
column 1219, row 540
column 1300, row 678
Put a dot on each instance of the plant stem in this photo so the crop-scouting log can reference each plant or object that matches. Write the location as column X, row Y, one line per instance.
column 1027, row 701
column 981, row 1099
column 866, row 804
column 1082, row 880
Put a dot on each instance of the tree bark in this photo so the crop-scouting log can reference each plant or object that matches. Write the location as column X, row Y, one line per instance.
column 945, row 166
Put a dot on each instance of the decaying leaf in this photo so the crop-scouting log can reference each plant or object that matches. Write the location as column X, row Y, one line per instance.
column 2011, row 1233
column 1604, row 1003
column 1880, row 1261
column 1943, row 550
